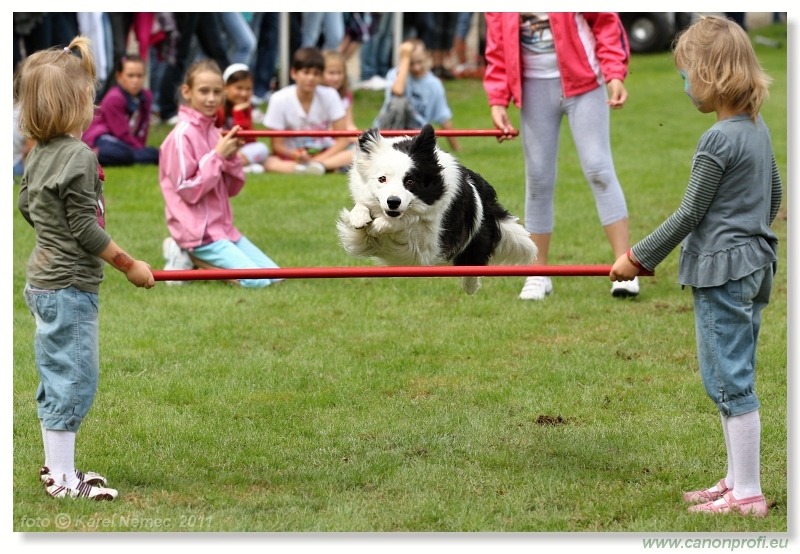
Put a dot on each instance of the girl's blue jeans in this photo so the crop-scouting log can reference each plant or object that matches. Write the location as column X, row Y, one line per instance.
column 727, row 323
column 66, row 350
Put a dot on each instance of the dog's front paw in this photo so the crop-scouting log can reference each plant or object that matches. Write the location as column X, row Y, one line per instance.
column 380, row 225
column 360, row 216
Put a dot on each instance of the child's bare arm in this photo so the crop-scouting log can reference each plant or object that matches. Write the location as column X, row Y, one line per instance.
column 403, row 67
column 350, row 123
column 452, row 140
column 137, row 271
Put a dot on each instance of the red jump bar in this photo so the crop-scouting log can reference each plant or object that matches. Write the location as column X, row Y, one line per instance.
column 384, row 132
column 384, row 271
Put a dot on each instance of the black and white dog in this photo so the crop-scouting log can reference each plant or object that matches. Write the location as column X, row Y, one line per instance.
column 417, row 205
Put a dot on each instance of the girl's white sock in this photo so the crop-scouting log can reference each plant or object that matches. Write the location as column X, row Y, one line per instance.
column 44, row 442
column 61, row 446
column 745, row 438
column 729, row 474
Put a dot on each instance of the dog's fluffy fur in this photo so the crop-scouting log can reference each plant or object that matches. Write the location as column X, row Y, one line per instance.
column 417, row 205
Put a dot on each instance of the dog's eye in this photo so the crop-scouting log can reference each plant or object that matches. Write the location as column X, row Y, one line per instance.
column 382, row 179
column 410, row 182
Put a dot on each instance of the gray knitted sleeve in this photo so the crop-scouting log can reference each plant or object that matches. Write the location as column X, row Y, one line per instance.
column 703, row 184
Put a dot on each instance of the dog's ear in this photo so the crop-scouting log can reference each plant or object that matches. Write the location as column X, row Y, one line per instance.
column 368, row 139
column 368, row 146
column 424, row 145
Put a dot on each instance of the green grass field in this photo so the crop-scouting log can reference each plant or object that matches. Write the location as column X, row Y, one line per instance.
column 380, row 405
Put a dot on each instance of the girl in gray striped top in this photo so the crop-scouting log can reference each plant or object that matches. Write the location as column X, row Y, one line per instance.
column 728, row 251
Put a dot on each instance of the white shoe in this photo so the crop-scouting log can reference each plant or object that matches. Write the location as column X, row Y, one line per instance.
column 311, row 168
column 536, row 288
column 376, row 82
column 83, row 490
column 175, row 258
column 625, row 289
column 254, row 168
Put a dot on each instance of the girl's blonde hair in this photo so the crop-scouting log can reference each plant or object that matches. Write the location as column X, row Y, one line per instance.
column 721, row 65
column 336, row 57
column 201, row 65
column 55, row 90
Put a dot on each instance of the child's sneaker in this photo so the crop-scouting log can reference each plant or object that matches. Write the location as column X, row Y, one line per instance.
column 311, row 168
column 254, row 168
column 625, row 289
column 83, row 490
column 175, row 258
column 536, row 288
column 89, row 477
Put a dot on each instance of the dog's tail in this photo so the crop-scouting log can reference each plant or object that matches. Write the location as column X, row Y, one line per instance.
column 516, row 246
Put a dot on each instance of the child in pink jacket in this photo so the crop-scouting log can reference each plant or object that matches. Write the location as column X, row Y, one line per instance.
column 553, row 64
column 199, row 171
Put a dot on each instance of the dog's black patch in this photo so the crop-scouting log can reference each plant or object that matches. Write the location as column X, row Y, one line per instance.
column 460, row 221
column 368, row 136
column 424, row 180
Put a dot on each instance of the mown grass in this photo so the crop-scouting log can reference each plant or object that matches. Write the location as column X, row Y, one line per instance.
column 380, row 405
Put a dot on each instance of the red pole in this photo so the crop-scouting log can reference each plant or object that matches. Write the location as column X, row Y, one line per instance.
column 384, row 132
column 384, row 271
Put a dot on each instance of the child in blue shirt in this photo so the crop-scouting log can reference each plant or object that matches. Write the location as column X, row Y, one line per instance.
column 414, row 95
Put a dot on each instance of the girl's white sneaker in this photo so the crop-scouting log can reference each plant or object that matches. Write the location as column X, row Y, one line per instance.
column 625, row 289
column 536, row 288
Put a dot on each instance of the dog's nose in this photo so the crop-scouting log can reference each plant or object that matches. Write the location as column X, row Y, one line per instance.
column 393, row 202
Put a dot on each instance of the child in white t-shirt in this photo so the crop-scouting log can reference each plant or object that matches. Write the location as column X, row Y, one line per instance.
column 309, row 106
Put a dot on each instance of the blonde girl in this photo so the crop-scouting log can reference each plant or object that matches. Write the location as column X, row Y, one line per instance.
column 199, row 172
column 61, row 197
column 335, row 76
column 728, row 251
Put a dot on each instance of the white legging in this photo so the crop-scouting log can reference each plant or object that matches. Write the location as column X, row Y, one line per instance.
column 542, row 111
